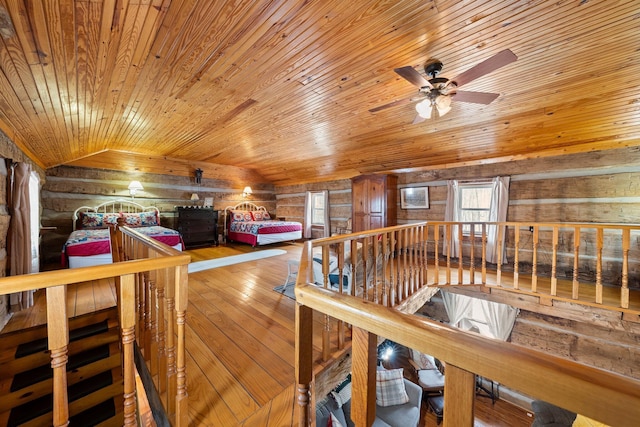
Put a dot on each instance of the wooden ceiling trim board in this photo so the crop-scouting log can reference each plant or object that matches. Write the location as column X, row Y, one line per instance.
column 161, row 54
column 137, row 50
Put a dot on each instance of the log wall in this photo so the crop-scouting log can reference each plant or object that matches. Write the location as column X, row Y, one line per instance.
column 68, row 188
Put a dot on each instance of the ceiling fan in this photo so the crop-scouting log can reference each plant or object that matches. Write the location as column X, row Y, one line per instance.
column 437, row 93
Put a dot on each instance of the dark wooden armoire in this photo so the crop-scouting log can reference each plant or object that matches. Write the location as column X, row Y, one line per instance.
column 374, row 200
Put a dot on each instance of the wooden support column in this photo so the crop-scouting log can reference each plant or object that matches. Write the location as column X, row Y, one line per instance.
column 363, row 377
column 459, row 395
column 304, row 361
column 58, row 340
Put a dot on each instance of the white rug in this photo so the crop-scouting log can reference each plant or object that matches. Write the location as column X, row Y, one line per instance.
column 194, row 267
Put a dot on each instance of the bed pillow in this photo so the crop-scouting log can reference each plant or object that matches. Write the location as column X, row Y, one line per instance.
column 260, row 215
column 110, row 218
column 91, row 220
column 390, row 388
column 241, row 216
column 149, row 219
column 132, row 219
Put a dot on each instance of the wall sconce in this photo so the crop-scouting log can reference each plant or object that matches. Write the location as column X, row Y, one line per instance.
column 134, row 187
column 198, row 176
column 246, row 192
column 194, row 198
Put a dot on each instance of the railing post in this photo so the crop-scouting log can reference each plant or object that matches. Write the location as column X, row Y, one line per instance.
column 459, row 397
column 304, row 361
column 554, row 262
column 58, row 332
column 576, row 266
column 182, row 298
column 599, row 246
column 127, row 330
column 363, row 377
column 516, row 257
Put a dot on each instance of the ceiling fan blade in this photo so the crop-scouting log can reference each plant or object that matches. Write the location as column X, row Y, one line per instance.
column 475, row 97
column 412, row 76
column 418, row 119
column 393, row 104
column 498, row 60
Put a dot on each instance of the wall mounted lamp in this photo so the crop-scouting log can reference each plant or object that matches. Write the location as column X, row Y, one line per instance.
column 246, row 192
column 134, row 187
column 194, row 198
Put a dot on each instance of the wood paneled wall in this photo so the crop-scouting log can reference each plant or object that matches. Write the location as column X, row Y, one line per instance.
column 68, row 188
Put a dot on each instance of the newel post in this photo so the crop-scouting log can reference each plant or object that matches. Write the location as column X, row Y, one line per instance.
column 58, row 332
column 127, row 331
column 304, row 359
column 363, row 376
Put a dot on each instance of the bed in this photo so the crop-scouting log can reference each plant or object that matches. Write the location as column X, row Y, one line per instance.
column 252, row 224
column 89, row 244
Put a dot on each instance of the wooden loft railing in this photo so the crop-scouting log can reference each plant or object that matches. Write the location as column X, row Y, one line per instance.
column 152, row 292
column 379, row 271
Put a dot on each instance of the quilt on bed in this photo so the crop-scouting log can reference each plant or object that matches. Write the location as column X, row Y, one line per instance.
column 264, row 227
column 90, row 242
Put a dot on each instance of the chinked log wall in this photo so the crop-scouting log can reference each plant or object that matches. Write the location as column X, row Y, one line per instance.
column 68, row 188
column 588, row 187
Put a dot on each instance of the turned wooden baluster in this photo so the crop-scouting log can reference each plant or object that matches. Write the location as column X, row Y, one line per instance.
column 499, row 244
column 534, row 262
column 58, row 341
column 447, row 239
column 576, row 270
column 386, row 300
column 516, row 258
column 424, row 259
column 326, row 331
column 182, row 299
column 599, row 246
column 171, row 345
column 354, row 263
column 436, row 239
column 153, row 322
column 392, row 269
column 127, row 331
column 460, row 237
column 161, row 330
column 376, row 280
column 554, row 262
column 472, row 255
column 484, row 253
column 341, row 286
column 626, row 244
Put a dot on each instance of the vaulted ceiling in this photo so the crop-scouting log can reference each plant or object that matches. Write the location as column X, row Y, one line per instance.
column 285, row 87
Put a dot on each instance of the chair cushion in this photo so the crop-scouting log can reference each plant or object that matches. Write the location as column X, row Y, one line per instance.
column 424, row 361
column 390, row 388
column 431, row 379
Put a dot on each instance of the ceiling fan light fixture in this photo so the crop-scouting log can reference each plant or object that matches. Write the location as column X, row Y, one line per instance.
column 424, row 108
column 443, row 104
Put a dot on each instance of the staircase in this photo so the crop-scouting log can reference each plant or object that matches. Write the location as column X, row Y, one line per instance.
column 94, row 374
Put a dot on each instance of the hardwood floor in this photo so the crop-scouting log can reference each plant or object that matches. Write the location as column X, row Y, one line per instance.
column 240, row 342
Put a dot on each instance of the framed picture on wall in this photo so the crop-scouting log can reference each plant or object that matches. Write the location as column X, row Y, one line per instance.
column 414, row 198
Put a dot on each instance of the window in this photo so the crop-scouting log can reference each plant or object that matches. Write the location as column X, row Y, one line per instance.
column 474, row 204
column 317, row 209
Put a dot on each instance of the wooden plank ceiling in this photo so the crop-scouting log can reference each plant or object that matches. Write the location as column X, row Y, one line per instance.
column 284, row 87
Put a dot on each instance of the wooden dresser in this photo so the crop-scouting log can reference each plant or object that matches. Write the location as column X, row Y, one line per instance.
column 374, row 201
column 198, row 225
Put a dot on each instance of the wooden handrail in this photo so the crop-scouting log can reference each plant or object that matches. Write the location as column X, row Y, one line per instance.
column 424, row 251
column 570, row 385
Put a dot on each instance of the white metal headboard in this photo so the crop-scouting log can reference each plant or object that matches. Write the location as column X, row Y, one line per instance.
column 243, row 206
column 114, row 206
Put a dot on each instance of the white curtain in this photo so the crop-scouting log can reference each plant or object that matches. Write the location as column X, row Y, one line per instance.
column 326, row 220
column 500, row 318
column 498, row 213
column 308, row 212
column 451, row 214
column 34, row 205
column 457, row 306
column 20, row 231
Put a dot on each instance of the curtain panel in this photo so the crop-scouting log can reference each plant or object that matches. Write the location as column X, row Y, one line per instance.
column 20, row 254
